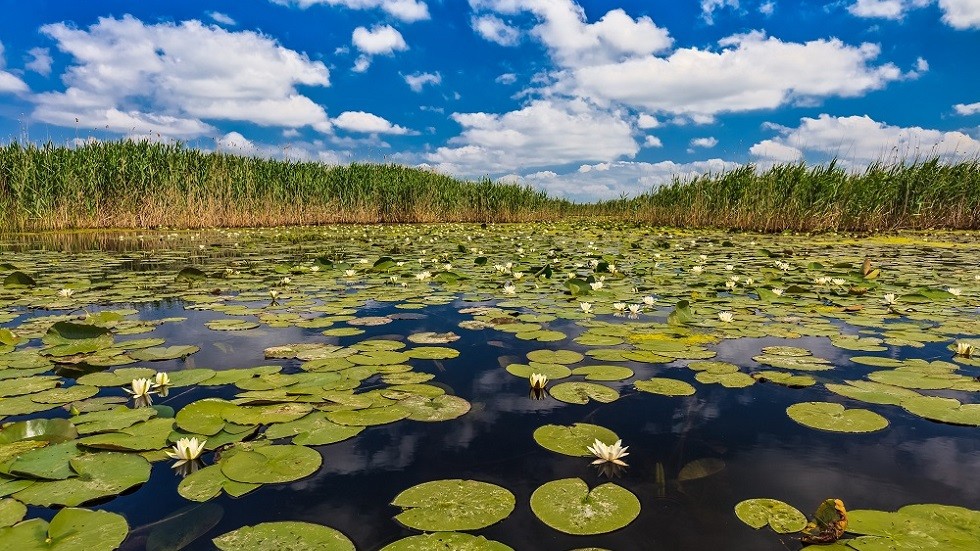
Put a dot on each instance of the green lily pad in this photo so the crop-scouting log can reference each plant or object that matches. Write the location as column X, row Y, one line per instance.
column 437, row 408
column 573, row 440
column 449, row 505
column 835, row 418
column 369, row 417
column 944, row 410
column 100, row 475
column 432, row 353
column 873, row 392
column 272, row 464
column 208, row 483
column 49, row 463
column 265, row 415
column 295, row 536
column 581, row 393
column 665, row 386
column 785, row 379
column 11, row 512
column 781, row 517
column 145, row 436
column 455, row 541
column 47, row 430
column 204, row 416
column 159, row 353
column 71, row 529
column 313, row 430
column 569, row 506
column 551, row 371
column 563, row 357
column 114, row 419
column 603, row 372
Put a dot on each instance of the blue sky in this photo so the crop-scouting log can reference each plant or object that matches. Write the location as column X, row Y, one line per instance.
column 586, row 99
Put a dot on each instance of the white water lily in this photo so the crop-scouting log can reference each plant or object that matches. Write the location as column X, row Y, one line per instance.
column 838, row 281
column 518, row 275
column 619, row 306
column 609, row 454
column 186, row 450
column 424, row 275
column 964, row 349
column 729, row 284
column 538, row 381
column 586, row 307
column 161, row 379
column 729, row 267
column 273, row 293
column 509, row 288
column 596, row 285
column 350, row 273
column 635, row 308
column 66, row 293
column 726, row 317
column 778, row 291
column 314, row 268
column 955, row 291
column 649, row 300
column 141, row 388
column 889, row 298
column 286, row 280
column 749, row 281
column 822, row 280
column 698, row 269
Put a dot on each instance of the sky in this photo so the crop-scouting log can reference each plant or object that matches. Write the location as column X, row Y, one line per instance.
column 586, row 99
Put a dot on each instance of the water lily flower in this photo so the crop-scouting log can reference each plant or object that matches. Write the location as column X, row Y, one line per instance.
column 350, row 273
column 619, row 306
column 729, row 284
column 955, row 291
column 698, row 269
column 649, row 300
column 510, row 288
column 609, row 454
column 586, row 307
column 314, row 268
column 424, row 275
column 703, row 257
column 729, row 267
column 517, row 275
column 838, row 281
column 823, row 280
column 287, row 280
column 141, row 388
column 596, row 285
column 161, row 379
column 635, row 308
column 889, row 298
column 778, row 291
column 726, row 317
column 538, row 381
column 274, row 294
column 964, row 349
column 186, row 450
column 66, row 293
column 749, row 281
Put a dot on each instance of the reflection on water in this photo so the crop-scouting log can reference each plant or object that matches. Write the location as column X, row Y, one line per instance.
column 765, row 454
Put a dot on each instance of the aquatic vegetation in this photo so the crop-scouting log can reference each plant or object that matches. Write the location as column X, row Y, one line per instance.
column 186, row 450
column 609, row 453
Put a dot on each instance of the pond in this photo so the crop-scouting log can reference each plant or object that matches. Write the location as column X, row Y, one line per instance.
column 328, row 370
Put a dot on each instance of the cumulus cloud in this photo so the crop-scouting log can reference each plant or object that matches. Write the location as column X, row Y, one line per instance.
column 417, row 81
column 652, row 141
column 379, row 40
column 860, row 140
column 544, row 132
column 367, row 123
column 646, row 121
column 967, row 108
column 40, row 61
column 750, row 72
column 961, row 14
column 767, row 8
column 9, row 83
column 131, row 77
column 706, row 143
column 494, row 29
column 405, row 10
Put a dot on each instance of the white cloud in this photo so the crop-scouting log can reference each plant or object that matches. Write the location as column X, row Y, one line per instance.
column 706, row 143
column 967, row 108
column 40, row 61
column 131, row 77
column 234, row 142
column 767, row 8
column 405, row 10
column 506, row 78
column 775, row 151
column 652, row 141
column 542, row 133
column 222, row 18
column 610, row 180
column 750, row 72
column 367, row 123
column 418, row 81
column 647, row 122
column 379, row 40
column 494, row 29
column 10, row 83
column 860, row 140
column 961, row 14
column 572, row 41
column 709, row 7
column 885, row 9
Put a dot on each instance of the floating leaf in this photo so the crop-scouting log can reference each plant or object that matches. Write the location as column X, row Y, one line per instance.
column 181, row 528
column 781, row 517
column 295, row 536
column 313, row 430
column 828, row 523
column 155, row 354
column 19, row 279
column 448, row 505
column 573, row 440
column 47, row 430
column 603, row 372
column 272, row 464
column 569, row 506
column 581, row 393
column 438, row 408
column 835, row 418
column 70, row 530
column 455, row 541
column 369, row 417
column 665, row 386
column 100, row 475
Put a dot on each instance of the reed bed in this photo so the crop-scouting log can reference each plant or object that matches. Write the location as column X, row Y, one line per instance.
column 127, row 184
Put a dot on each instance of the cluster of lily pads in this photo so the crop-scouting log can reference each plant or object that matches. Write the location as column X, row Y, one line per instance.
column 81, row 389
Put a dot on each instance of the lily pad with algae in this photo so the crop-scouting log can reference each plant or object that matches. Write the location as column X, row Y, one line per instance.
column 271, row 464
column 665, row 386
column 71, row 529
column 581, row 393
column 455, row 541
column 573, row 440
column 569, row 506
column 450, row 505
column 274, row 536
column 781, row 517
column 835, row 418
column 99, row 475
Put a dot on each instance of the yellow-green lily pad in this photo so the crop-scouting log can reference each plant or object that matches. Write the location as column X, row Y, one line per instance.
column 569, row 506
column 573, row 440
column 294, row 536
column 450, row 505
column 665, row 386
column 781, row 517
column 454, row 541
column 581, row 393
column 835, row 418
column 272, row 464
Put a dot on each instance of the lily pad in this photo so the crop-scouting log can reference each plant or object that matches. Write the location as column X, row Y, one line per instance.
column 665, row 386
column 313, row 430
column 160, row 353
column 563, row 357
column 581, row 393
column 835, row 418
column 100, row 475
column 569, row 506
column 369, row 417
column 272, row 464
column 455, row 541
column 295, row 536
column 449, row 505
column 603, row 372
column 781, row 517
column 71, row 529
column 573, row 440
column 437, row 408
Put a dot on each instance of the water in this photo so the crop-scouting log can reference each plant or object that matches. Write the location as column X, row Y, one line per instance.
column 765, row 453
